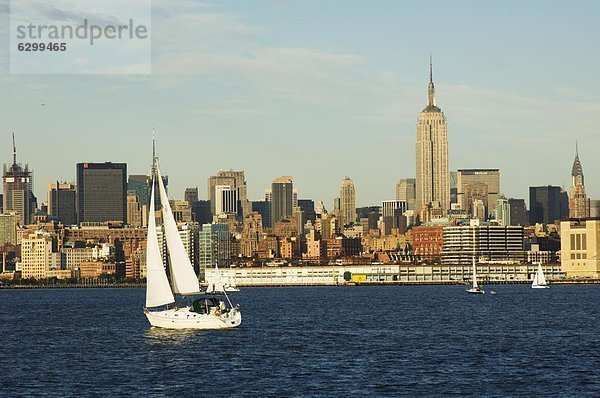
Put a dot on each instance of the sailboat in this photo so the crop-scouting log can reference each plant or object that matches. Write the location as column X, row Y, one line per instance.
column 217, row 285
column 162, row 309
column 539, row 280
column 475, row 288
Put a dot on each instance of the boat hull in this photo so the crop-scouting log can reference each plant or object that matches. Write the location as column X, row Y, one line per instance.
column 540, row 286
column 475, row 291
column 183, row 318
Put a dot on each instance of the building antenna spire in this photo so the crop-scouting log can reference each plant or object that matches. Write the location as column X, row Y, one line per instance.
column 431, row 88
column 576, row 149
column 14, row 150
column 153, row 144
column 430, row 69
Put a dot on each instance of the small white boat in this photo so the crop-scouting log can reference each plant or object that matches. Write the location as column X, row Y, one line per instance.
column 539, row 280
column 162, row 309
column 475, row 289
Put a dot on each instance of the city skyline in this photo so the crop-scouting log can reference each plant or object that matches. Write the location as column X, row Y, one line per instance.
column 321, row 98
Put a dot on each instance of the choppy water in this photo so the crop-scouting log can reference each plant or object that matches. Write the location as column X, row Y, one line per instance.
column 329, row 341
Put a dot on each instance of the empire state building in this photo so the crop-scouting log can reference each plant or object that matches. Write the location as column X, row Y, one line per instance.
column 433, row 177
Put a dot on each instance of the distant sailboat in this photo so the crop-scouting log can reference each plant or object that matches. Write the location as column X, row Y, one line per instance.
column 539, row 280
column 218, row 284
column 162, row 310
column 475, row 289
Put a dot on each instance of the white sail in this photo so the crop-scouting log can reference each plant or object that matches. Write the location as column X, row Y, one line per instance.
column 183, row 278
column 474, row 274
column 539, row 279
column 158, row 291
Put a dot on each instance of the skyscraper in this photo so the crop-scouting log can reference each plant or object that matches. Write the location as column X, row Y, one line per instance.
column 282, row 202
column 62, row 202
column 101, row 192
column 547, row 204
column 433, row 177
column 237, row 181
column 17, row 185
column 347, row 202
column 405, row 190
column 226, row 200
column 579, row 204
column 478, row 184
column 191, row 195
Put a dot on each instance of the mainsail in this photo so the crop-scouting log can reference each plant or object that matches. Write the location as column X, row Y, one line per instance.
column 158, row 291
column 183, row 278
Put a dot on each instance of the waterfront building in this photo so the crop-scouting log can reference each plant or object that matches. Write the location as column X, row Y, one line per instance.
column 406, row 191
column 281, row 198
column 347, row 202
column 580, row 247
column 214, row 247
column 8, row 229
column 487, row 243
column 547, row 204
column 62, row 202
column 237, row 182
column 433, row 175
column 39, row 255
column 478, row 184
column 17, row 183
column 101, row 192
column 579, row 204
column 427, row 242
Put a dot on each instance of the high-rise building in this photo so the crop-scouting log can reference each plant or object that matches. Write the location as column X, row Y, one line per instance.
column 191, row 195
column 347, row 202
column 308, row 209
column 580, row 248
column 489, row 243
column 478, row 184
column 214, row 247
column 17, row 183
column 579, row 204
column 281, row 198
column 135, row 211
column 226, row 200
column 201, row 212
column 237, row 181
column 518, row 212
column 62, row 202
column 594, row 208
column 138, row 184
column 101, row 192
column 433, row 175
column 547, row 204
column 39, row 255
column 8, row 229
column 453, row 187
column 405, row 190
column 392, row 212
column 503, row 211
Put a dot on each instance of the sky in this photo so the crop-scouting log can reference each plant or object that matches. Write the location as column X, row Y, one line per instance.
column 325, row 89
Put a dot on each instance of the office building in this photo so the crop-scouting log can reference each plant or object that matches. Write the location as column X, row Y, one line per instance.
column 8, row 229
column 17, row 183
column 594, row 208
column 433, row 175
column 191, row 195
column 101, row 192
column 237, row 182
column 214, row 247
column 485, row 243
column 579, row 204
column 62, row 202
column 347, row 202
column 392, row 212
column 478, row 184
column 518, row 212
column 201, row 212
column 281, row 198
column 580, row 248
column 503, row 211
column 405, row 191
column 308, row 209
column 226, row 200
column 547, row 204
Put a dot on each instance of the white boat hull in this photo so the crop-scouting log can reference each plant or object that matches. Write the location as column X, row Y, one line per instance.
column 475, row 291
column 540, row 286
column 183, row 318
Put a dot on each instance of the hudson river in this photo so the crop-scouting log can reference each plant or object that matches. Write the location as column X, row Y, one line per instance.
column 320, row 341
